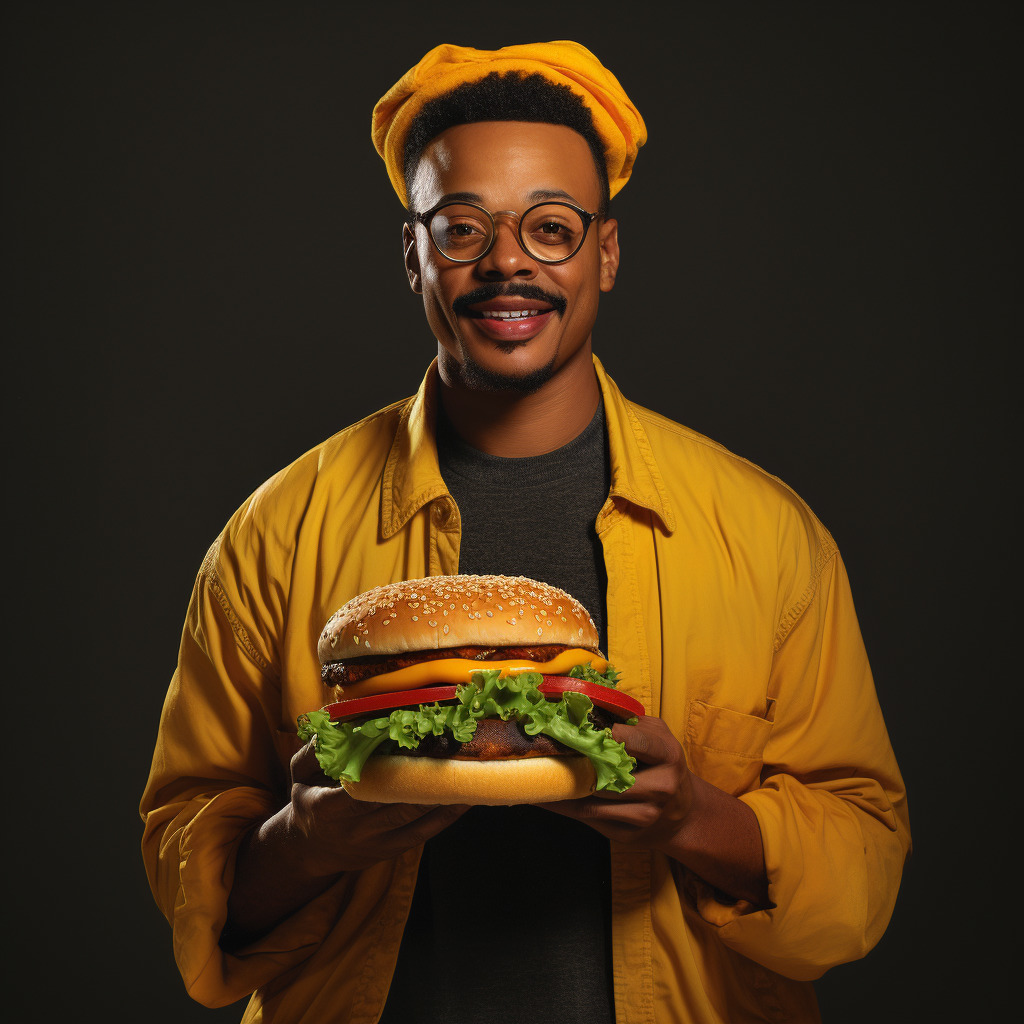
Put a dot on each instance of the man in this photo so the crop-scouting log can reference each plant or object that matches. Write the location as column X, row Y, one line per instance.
column 764, row 838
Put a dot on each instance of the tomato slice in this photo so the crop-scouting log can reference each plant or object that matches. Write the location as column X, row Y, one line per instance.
column 361, row 706
column 603, row 696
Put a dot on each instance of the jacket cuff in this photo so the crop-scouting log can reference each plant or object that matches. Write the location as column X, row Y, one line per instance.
column 207, row 850
column 817, row 881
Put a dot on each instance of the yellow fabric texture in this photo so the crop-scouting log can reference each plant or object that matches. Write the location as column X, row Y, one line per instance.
column 617, row 122
column 729, row 615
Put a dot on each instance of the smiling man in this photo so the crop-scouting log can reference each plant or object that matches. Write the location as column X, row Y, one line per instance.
column 764, row 838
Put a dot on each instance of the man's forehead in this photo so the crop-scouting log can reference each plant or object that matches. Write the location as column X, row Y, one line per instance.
column 508, row 163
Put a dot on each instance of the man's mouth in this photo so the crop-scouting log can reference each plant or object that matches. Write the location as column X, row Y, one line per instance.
column 509, row 314
column 510, row 318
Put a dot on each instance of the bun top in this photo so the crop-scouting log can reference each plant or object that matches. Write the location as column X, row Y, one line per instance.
column 456, row 611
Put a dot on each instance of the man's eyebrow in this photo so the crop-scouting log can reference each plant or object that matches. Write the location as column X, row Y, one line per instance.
column 460, row 197
column 541, row 194
column 537, row 196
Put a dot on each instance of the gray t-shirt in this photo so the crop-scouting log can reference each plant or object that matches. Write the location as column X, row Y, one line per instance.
column 511, row 917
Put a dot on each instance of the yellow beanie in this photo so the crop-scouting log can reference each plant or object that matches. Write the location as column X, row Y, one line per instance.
column 618, row 123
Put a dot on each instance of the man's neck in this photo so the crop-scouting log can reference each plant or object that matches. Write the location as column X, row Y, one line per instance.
column 514, row 425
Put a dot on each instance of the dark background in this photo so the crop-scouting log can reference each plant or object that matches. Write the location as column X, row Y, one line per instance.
column 207, row 282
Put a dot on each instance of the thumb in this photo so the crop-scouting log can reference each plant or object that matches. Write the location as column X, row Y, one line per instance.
column 305, row 769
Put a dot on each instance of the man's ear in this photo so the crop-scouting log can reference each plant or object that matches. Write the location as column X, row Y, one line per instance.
column 412, row 259
column 608, row 235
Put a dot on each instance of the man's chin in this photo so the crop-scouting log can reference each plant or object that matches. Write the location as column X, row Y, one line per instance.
column 479, row 376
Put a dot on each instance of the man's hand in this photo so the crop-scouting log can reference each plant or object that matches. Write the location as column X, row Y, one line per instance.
column 671, row 810
column 652, row 810
column 338, row 833
column 297, row 853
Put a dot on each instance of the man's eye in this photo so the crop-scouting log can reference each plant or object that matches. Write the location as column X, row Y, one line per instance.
column 551, row 228
column 462, row 234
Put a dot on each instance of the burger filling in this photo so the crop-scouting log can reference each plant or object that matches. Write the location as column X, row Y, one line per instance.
column 491, row 718
column 355, row 670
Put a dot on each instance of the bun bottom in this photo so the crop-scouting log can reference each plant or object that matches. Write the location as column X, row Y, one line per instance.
column 392, row 779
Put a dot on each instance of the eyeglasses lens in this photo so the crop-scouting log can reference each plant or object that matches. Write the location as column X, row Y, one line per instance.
column 550, row 233
column 461, row 232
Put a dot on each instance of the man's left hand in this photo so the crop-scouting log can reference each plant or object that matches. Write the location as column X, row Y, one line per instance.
column 651, row 811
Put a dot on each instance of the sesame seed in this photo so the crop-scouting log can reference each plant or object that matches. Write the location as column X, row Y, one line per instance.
column 415, row 618
column 540, row 631
column 446, row 628
column 433, row 622
column 490, row 615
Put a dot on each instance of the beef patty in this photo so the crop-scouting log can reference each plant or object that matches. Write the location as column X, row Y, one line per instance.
column 495, row 740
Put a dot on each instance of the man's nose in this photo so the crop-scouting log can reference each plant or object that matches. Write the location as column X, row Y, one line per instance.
column 506, row 258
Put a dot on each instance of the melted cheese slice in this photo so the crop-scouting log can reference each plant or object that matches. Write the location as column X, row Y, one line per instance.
column 459, row 670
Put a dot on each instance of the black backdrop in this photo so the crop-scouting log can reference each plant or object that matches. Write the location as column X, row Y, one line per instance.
column 208, row 282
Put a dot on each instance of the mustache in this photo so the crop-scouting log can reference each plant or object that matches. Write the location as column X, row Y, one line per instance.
column 492, row 291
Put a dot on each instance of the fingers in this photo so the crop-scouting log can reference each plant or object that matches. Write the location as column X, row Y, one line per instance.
column 599, row 813
column 305, row 768
column 649, row 741
column 426, row 824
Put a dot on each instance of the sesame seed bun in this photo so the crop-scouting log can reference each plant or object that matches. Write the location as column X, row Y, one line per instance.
column 455, row 611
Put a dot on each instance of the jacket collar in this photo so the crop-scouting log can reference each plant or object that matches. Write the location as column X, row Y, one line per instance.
column 412, row 477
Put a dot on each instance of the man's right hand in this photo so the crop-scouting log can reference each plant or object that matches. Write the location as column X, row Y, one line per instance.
column 297, row 853
column 343, row 834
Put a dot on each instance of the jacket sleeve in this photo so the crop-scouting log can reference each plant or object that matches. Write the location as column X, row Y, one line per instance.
column 831, row 805
column 220, row 765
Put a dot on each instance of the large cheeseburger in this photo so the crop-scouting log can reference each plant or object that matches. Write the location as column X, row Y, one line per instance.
column 468, row 689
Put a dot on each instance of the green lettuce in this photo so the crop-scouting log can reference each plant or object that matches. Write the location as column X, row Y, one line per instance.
column 342, row 749
column 609, row 677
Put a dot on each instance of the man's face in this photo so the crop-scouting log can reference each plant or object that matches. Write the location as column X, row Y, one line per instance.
column 509, row 166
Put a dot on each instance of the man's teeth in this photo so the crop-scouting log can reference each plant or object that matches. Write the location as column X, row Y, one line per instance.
column 508, row 314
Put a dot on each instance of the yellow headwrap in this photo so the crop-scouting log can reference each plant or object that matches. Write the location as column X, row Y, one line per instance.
column 618, row 123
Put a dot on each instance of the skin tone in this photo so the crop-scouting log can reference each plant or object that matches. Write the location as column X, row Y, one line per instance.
column 512, row 166
column 513, row 396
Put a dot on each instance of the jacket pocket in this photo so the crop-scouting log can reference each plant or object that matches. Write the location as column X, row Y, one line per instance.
column 725, row 747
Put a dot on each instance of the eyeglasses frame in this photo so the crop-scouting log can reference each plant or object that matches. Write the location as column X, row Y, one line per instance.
column 428, row 215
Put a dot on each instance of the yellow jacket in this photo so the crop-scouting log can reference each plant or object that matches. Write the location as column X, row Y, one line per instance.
column 729, row 615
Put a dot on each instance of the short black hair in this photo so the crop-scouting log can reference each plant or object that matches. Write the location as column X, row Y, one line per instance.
column 505, row 97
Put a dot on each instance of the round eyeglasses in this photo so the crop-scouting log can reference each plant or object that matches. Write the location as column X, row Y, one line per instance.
column 551, row 232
